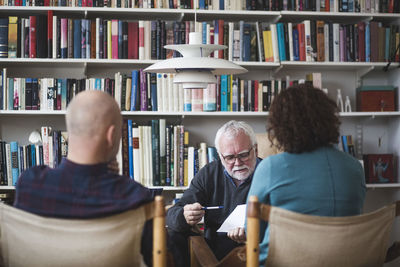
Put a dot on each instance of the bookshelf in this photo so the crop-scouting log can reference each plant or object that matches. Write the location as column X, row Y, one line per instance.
column 16, row 125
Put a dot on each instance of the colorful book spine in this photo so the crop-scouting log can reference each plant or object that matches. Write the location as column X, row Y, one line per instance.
column 14, row 162
column 209, row 98
column 135, row 91
column 49, row 33
column 130, row 148
column 155, row 151
column 163, row 166
column 12, row 36
column 88, row 39
column 114, row 38
column 136, row 152
column 143, row 91
column 153, row 91
column 224, row 92
column 3, row 37
column 187, row 100
column 64, row 38
column 32, row 36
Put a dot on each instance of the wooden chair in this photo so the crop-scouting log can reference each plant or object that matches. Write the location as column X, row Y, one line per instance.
column 31, row 240
column 304, row 240
column 201, row 255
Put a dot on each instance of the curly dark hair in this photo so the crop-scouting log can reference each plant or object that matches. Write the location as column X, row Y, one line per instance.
column 302, row 118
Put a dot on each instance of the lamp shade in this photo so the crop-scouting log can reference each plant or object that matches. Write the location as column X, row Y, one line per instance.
column 195, row 69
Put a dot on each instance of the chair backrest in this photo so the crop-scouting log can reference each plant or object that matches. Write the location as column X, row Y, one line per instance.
column 304, row 240
column 31, row 240
column 264, row 148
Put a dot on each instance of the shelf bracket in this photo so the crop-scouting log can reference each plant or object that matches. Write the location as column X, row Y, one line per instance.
column 181, row 16
column 368, row 19
column 85, row 69
column 361, row 73
column 277, row 18
column 277, row 70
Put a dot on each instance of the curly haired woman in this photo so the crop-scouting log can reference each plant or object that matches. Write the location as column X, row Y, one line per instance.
column 310, row 176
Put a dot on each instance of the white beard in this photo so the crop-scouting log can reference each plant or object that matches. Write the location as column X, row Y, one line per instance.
column 241, row 176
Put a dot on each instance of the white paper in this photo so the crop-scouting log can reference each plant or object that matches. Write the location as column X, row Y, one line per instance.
column 235, row 219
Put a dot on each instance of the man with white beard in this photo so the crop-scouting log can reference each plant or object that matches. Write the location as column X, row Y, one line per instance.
column 222, row 183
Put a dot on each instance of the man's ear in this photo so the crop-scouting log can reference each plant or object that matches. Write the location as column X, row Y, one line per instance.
column 110, row 136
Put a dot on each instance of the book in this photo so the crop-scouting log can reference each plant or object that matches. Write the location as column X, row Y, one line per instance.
column 12, row 36
column 41, row 36
column 3, row 37
column 155, row 151
column 379, row 168
column 14, row 162
column 135, row 91
column 32, row 36
column 163, row 163
column 136, row 152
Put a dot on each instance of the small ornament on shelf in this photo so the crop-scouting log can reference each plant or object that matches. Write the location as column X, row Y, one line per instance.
column 339, row 100
column 347, row 105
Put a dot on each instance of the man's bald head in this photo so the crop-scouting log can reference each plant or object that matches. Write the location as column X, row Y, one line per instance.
column 90, row 113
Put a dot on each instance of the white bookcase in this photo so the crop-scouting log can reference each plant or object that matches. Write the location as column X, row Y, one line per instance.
column 16, row 125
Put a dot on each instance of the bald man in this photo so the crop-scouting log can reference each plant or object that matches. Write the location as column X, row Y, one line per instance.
column 82, row 186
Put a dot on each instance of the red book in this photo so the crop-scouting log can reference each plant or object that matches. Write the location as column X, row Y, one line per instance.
column 221, row 37
column 58, row 96
column 133, row 36
column 49, row 33
column 327, row 6
column 302, row 47
column 114, row 39
column 256, row 95
column 391, row 6
column 46, row 2
column 89, row 3
column 84, row 3
column 17, row 2
column 32, row 36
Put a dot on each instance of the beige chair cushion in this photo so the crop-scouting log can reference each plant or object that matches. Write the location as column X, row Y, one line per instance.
column 303, row 240
column 31, row 240
column 264, row 146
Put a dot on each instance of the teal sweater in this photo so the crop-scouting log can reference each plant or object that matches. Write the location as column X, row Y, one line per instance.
column 324, row 182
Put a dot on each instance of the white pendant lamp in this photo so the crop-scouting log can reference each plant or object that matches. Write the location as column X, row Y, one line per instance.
column 195, row 69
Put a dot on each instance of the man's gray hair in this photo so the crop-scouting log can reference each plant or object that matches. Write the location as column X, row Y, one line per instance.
column 233, row 128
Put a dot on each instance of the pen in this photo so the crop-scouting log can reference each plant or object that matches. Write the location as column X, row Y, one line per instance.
column 212, row 208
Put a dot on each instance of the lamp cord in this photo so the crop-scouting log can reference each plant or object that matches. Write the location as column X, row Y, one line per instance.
column 391, row 59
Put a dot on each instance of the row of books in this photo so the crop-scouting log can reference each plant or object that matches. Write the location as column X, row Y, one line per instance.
column 16, row 158
column 159, row 154
column 146, row 92
column 51, row 37
column 365, row 6
column 324, row 41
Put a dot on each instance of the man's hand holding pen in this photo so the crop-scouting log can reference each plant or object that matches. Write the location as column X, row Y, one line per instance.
column 193, row 213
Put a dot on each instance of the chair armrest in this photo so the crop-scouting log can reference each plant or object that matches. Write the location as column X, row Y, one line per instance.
column 200, row 252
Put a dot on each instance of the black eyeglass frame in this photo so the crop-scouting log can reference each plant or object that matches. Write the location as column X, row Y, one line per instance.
column 244, row 156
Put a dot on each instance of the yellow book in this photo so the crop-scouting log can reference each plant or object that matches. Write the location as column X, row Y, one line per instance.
column 269, row 55
column 185, row 158
column 128, row 94
column 12, row 36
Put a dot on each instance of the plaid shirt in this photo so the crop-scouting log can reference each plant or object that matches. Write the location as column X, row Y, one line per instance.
column 77, row 191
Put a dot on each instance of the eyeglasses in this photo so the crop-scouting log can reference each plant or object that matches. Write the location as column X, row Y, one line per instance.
column 244, row 156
